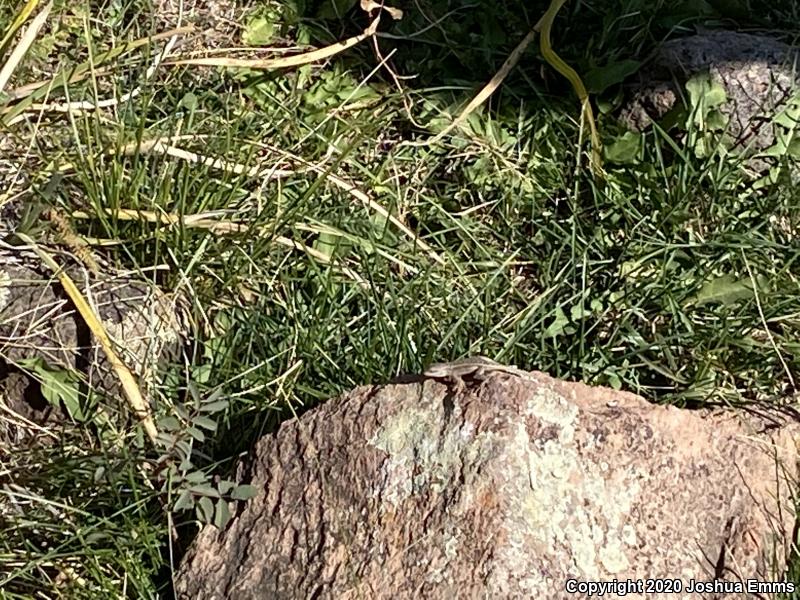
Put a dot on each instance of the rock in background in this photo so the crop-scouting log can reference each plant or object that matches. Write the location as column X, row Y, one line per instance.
column 38, row 322
column 758, row 74
column 505, row 489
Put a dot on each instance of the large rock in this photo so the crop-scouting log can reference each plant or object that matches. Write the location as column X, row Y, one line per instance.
column 507, row 488
column 758, row 74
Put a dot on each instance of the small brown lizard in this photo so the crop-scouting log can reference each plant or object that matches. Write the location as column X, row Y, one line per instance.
column 478, row 368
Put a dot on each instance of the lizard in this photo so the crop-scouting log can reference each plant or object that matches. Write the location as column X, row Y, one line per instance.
column 478, row 368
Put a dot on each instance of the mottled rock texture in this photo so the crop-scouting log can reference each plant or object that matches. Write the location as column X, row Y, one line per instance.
column 503, row 489
column 759, row 75
column 37, row 320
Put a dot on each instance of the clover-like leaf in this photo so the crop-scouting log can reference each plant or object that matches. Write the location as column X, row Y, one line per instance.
column 205, row 509
column 185, row 501
column 221, row 514
column 244, row 492
column 726, row 289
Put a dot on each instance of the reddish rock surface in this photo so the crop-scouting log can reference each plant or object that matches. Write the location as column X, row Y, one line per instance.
column 507, row 488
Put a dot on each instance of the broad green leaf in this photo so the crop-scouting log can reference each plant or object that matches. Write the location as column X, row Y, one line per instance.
column 205, row 510
column 789, row 117
column 770, row 178
column 793, row 150
column 213, row 396
column 578, row 312
column 182, row 412
column 704, row 91
column 244, row 492
column 600, row 79
column 165, row 439
column 786, row 144
column 184, row 501
column 259, row 31
column 169, row 424
column 221, row 515
column 225, row 486
column 204, row 490
column 726, row 289
column 191, row 387
column 57, row 386
column 625, row 149
column 212, row 407
column 184, row 447
column 326, row 243
column 559, row 323
column 202, row 373
column 613, row 380
column 196, row 434
column 189, row 102
column 705, row 95
column 196, row 477
column 205, row 423
column 716, row 120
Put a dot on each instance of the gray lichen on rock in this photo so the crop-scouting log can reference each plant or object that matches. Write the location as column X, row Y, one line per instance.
column 758, row 74
column 420, row 454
